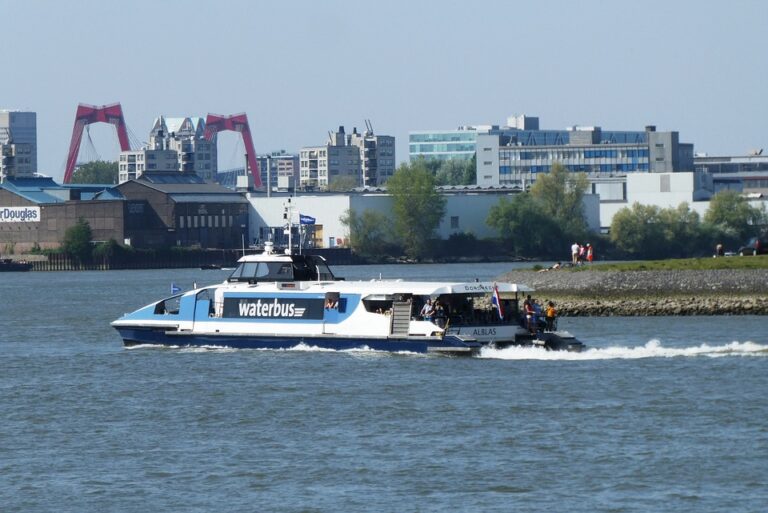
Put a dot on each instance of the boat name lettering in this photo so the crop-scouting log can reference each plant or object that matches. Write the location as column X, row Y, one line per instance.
column 19, row 214
column 477, row 288
column 273, row 308
column 483, row 332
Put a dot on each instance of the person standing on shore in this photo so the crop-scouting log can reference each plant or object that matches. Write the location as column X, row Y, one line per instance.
column 590, row 252
column 575, row 253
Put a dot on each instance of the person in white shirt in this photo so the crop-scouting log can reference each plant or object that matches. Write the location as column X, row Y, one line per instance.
column 575, row 253
column 427, row 311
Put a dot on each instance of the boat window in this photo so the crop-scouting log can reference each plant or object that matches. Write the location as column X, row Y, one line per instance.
column 169, row 306
column 244, row 272
column 274, row 271
column 321, row 268
column 381, row 306
column 263, row 271
column 332, row 301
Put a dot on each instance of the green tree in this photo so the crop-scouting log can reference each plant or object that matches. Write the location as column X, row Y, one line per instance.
column 522, row 227
column 99, row 171
column 77, row 241
column 637, row 230
column 561, row 196
column 457, row 172
column 417, row 207
column 369, row 233
column 547, row 220
column 452, row 171
column 732, row 218
column 647, row 231
column 681, row 229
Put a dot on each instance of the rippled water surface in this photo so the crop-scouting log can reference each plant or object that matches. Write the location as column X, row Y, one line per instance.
column 661, row 414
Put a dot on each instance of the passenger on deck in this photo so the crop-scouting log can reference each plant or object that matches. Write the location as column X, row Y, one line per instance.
column 551, row 314
column 440, row 314
column 530, row 321
column 427, row 311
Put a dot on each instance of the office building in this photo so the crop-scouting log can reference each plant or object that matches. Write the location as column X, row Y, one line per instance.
column 377, row 155
column 15, row 160
column 156, row 157
column 442, row 144
column 368, row 159
column 459, row 144
column 279, row 169
column 175, row 144
column 186, row 136
column 320, row 166
column 743, row 173
column 18, row 141
column 515, row 157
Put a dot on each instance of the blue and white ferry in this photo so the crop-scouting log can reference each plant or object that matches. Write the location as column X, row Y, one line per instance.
column 280, row 301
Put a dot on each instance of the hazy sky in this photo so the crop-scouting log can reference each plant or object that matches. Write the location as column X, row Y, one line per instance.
column 300, row 69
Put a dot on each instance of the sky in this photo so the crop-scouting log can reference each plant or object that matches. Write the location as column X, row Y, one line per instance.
column 299, row 69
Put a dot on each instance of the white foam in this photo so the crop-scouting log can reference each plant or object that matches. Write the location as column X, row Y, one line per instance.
column 150, row 346
column 363, row 350
column 207, row 349
column 302, row 347
column 652, row 349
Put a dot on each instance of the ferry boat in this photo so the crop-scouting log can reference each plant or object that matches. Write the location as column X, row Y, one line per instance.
column 279, row 301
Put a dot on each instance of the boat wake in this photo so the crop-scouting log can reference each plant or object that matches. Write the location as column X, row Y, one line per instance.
column 298, row 348
column 652, row 349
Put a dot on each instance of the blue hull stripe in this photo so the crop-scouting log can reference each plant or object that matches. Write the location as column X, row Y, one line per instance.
column 138, row 336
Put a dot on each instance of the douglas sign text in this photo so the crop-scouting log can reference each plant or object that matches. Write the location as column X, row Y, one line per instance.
column 19, row 214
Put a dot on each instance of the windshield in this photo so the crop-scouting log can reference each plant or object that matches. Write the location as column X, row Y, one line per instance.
column 263, row 271
column 300, row 268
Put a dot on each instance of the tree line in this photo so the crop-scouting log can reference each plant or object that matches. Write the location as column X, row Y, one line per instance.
column 541, row 223
column 544, row 221
column 648, row 231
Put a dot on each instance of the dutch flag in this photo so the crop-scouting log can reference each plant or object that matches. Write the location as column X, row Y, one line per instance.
column 496, row 300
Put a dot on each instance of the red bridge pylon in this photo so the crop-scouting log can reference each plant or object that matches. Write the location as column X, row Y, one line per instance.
column 87, row 114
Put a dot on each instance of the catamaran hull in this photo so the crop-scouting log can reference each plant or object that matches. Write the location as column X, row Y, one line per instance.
column 133, row 336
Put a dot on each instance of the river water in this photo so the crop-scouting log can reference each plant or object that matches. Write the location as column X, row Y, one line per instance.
column 661, row 414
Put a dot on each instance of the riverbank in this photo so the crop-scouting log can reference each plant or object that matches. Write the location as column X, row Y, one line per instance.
column 649, row 293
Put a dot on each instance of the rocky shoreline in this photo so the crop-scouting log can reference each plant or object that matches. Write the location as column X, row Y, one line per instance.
column 649, row 293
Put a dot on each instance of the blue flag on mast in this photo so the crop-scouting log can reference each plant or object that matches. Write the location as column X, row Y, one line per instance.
column 175, row 289
column 305, row 219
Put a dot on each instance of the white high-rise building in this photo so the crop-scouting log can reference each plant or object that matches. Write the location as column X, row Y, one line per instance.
column 187, row 136
column 175, row 144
